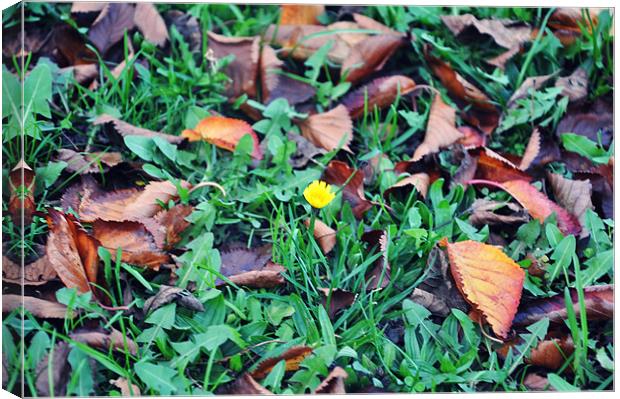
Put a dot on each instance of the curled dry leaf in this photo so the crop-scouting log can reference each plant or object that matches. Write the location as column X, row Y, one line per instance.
column 21, row 201
column 223, row 132
column 93, row 162
column 137, row 243
column 550, row 353
column 300, row 14
column 71, row 251
column 466, row 170
column 324, row 235
column 246, row 385
column 126, row 129
column 492, row 166
column 250, row 267
column 488, row 279
column 338, row 173
column 573, row 195
column 333, row 383
column 38, row 307
column 168, row 294
column 540, row 207
column 329, row 130
column 506, row 33
column 574, row 86
column 338, row 300
column 101, row 339
column 124, row 385
column 150, row 23
column 533, row 82
column 292, row 357
column 484, row 212
column 379, row 276
column 599, row 304
column 441, row 129
column 55, row 371
column 243, row 70
column 111, row 24
column 36, row 273
column 419, row 181
column 370, row 55
column 379, row 93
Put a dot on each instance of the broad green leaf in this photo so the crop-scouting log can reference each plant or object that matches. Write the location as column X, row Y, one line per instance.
column 141, row 146
column 156, row 377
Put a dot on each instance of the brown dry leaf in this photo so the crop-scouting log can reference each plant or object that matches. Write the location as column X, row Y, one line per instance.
column 379, row 93
column 102, row 339
column 329, row 130
column 111, row 24
column 537, row 382
column 484, row 212
column 300, row 14
column 93, row 162
column 123, row 384
column 494, row 167
column 533, row 82
column 188, row 27
column 324, row 235
column 531, row 151
column 21, row 201
column 276, row 85
column 565, row 22
column 250, row 267
column 506, row 33
column 173, row 223
column 338, row 300
column 36, row 273
column 83, row 74
column 246, row 385
column 71, row 47
column 168, row 294
column 301, row 41
column 574, row 86
column 379, row 276
column 573, row 195
column 552, row 353
column 125, row 129
column 38, row 307
column 501, row 60
column 243, row 70
column 466, row 170
column 304, row 150
column 293, row 357
column 333, row 383
column 488, row 279
column 338, row 173
column 419, row 181
column 438, row 292
column 441, row 129
column 84, row 6
column 151, row 24
column 588, row 122
column 137, row 243
column 370, row 55
column 71, row 251
column 58, row 368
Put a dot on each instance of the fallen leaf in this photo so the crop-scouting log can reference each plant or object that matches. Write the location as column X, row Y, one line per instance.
column 324, row 235
column 274, row 84
column 292, row 357
column 379, row 276
column 35, row 273
column 484, row 212
column 38, row 307
column 533, row 82
column 602, row 193
column 506, row 33
column 380, row 93
column 101, row 339
column 137, row 243
column 150, row 23
column 599, row 305
column 536, row 382
column 588, row 122
column 466, row 170
column 93, row 162
column 188, row 27
column 123, row 384
column 77, row 7
column 110, row 26
column 57, row 371
column 338, row 300
column 21, row 204
column 441, row 129
column 223, row 132
column 71, row 47
column 472, row 137
column 338, row 173
column 540, row 207
column 494, row 167
column 300, row 14
column 125, row 129
column 488, row 279
column 370, row 55
column 71, row 251
column 333, row 383
column 243, row 70
column 83, row 74
column 168, row 294
column 329, row 130
column 419, row 181
column 566, row 23
column 531, row 151
column 304, row 150
column 574, row 86
column 250, row 267
column 246, row 385
column 551, row 353
column 172, row 223
column 301, row 41
column 501, row 60
column 573, row 195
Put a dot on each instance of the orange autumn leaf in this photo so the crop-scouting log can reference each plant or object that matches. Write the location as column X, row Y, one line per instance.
column 223, row 132
column 300, row 14
column 488, row 279
column 292, row 357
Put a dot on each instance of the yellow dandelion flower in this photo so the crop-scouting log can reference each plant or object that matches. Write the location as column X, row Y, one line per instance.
column 319, row 194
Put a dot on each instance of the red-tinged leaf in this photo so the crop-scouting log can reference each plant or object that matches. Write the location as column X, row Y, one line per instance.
column 472, row 137
column 292, row 357
column 551, row 353
column 250, row 267
column 540, row 207
column 531, row 151
column 224, row 132
column 151, row 24
column 599, row 304
column 21, row 201
column 300, row 14
column 536, row 382
column 125, row 129
column 501, row 60
column 111, row 24
column 338, row 173
column 573, row 195
column 379, row 93
column 441, row 129
column 567, row 22
column 173, row 222
column 124, row 385
column 489, row 280
column 329, row 130
column 492, row 166
column 333, row 383
column 370, row 55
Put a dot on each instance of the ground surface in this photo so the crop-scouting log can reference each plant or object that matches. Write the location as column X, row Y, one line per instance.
column 169, row 245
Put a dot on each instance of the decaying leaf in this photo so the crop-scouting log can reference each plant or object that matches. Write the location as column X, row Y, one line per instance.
column 533, row 82
column 304, row 150
column 419, row 181
column 172, row 223
column 566, row 22
column 574, row 86
column 71, row 251
column 223, row 132
column 370, row 55
column 536, row 382
column 338, row 300
column 276, row 85
column 57, row 371
column 150, row 23
column 93, row 162
column 111, row 24
column 125, row 129
column 379, row 275
column 324, row 235
column 38, row 307
column 250, row 267
column 329, row 130
column 188, row 26
column 550, row 353
column 338, row 173
column 37, row 272
column 501, row 60
column 379, row 93
column 599, row 304
column 293, row 357
column 301, row 41
column 300, row 14
column 78, row 7
column 588, row 122
column 168, row 294
column 506, row 33
column 246, row 385
column 531, row 151
column 488, row 279
column 333, row 383
column 492, row 166
column 441, row 129
column 124, row 385
column 105, row 340
column 484, row 212
column 21, row 202
column 573, row 195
